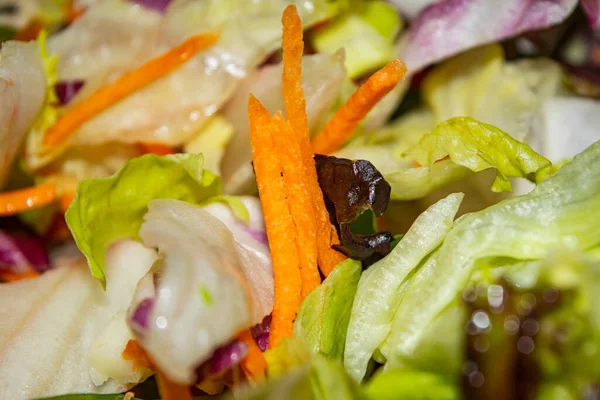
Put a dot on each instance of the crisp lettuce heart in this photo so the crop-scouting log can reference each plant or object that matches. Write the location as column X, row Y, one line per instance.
column 107, row 209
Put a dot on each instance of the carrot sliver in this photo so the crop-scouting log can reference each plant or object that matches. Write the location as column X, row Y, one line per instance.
column 339, row 128
column 7, row 276
column 29, row 32
column 135, row 353
column 155, row 148
column 295, row 109
column 278, row 221
column 125, row 85
column 17, row 201
column 65, row 201
column 298, row 194
column 170, row 390
column 254, row 364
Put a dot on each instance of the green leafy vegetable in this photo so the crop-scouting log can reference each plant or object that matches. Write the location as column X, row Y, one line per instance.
column 561, row 212
column 480, row 146
column 89, row 397
column 324, row 315
column 381, row 287
column 398, row 384
column 108, row 209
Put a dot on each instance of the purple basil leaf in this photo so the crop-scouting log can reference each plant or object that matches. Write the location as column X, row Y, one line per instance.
column 260, row 333
column 66, row 90
column 223, row 359
column 22, row 253
column 156, row 5
column 139, row 318
column 449, row 27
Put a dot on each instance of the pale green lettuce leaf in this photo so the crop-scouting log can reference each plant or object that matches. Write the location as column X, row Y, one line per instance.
column 381, row 287
column 107, row 209
column 561, row 212
column 322, row 320
column 480, row 146
column 399, row 384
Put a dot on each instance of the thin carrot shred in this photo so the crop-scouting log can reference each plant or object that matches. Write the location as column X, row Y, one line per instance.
column 170, row 390
column 254, row 364
column 17, row 201
column 136, row 353
column 278, row 220
column 295, row 109
column 126, row 85
column 346, row 119
column 298, row 194
column 6, row 276
column 71, row 13
column 65, row 201
column 29, row 32
column 156, row 148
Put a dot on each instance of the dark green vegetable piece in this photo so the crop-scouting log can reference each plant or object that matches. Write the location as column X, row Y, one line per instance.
column 355, row 192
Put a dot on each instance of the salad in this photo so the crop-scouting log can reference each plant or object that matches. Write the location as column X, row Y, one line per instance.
column 270, row 199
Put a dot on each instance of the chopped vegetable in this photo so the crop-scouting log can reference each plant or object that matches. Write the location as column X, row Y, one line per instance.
column 170, row 390
column 295, row 107
column 67, row 90
column 341, row 126
column 135, row 353
column 254, row 364
column 278, row 220
column 125, row 85
column 156, row 148
column 17, row 201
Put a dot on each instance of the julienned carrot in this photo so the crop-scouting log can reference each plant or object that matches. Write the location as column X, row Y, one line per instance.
column 295, row 109
column 26, row 199
column 254, row 364
column 155, row 148
column 7, row 276
column 298, row 195
column 125, row 85
column 278, row 221
column 346, row 119
column 135, row 353
column 170, row 390
column 65, row 201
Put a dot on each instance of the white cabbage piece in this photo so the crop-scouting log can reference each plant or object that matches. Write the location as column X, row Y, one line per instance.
column 322, row 78
column 22, row 95
column 47, row 333
column 204, row 297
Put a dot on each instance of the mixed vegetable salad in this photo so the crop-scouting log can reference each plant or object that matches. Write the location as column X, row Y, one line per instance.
column 270, row 199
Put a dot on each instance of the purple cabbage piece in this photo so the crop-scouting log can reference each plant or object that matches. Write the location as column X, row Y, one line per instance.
column 257, row 235
column 592, row 10
column 449, row 27
column 156, row 5
column 260, row 333
column 66, row 90
column 139, row 318
column 223, row 359
column 22, row 253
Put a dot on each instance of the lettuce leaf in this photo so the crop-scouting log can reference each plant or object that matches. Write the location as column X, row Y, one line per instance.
column 399, row 384
column 89, row 397
column 480, row 146
column 322, row 320
column 559, row 213
column 381, row 287
column 107, row 209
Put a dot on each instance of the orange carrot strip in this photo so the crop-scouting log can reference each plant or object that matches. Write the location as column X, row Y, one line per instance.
column 295, row 109
column 71, row 13
column 136, row 353
column 346, row 119
column 65, row 201
column 170, row 390
column 278, row 220
column 298, row 194
column 125, row 85
column 254, row 364
column 26, row 199
column 29, row 32
column 155, row 148
column 7, row 276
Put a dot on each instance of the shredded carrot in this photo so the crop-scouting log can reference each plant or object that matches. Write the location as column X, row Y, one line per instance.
column 65, row 201
column 71, row 13
column 134, row 352
column 155, row 148
column 126, row 85
column 6, row 276
column 346, row 119
column 170, row 390
column 29, row 32
column 17, row 201
column 299, row 199
column 278, row 220
column 254, row 364
column 295, row 109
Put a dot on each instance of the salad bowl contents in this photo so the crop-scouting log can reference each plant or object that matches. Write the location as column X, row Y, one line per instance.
column 270, row 199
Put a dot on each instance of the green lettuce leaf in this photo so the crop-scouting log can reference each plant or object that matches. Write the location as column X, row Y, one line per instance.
column 381, row 287
column 561, row 212
column 480, row 146
column 323, row 318
column 108, row 209
column 399, row 384
column 89, row 397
